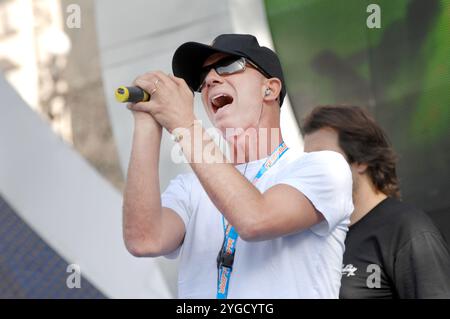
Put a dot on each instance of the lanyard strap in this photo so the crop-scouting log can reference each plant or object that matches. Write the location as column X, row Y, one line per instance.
column 225, row 258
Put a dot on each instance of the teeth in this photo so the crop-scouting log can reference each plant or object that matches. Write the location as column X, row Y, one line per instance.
column 219, row 100
column 217, row 96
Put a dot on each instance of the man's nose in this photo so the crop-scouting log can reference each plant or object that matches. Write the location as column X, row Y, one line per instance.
column 213, row 78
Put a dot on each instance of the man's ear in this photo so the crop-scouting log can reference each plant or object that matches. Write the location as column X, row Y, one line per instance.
column 360, row 168
column 271, row 89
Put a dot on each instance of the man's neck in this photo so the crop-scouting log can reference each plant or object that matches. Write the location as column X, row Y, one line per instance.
column 365, row 198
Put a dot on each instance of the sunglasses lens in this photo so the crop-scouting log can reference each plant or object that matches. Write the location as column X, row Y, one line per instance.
column 223, row 67
column 230, row 67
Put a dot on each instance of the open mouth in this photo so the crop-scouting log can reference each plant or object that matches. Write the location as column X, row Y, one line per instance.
column 220, row 100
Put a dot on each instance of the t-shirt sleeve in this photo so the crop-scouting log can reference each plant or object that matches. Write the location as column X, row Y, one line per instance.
column 325, row 179
column 176, row 197
column 422, row 268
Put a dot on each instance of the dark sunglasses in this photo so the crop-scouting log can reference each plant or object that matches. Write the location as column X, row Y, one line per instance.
column 227, row 66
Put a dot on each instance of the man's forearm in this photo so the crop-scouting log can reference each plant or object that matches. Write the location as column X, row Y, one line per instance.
column 142, row 202
column 234, row 196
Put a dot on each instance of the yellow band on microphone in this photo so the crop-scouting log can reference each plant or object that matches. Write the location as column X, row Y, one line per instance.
column 133, row 94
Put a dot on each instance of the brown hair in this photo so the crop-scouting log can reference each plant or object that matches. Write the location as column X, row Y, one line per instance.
column 362, row 140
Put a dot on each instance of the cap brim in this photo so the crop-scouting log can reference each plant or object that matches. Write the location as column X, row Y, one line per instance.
column 188, row 60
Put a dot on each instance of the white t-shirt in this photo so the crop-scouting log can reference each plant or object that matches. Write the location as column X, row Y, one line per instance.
column 306, row 264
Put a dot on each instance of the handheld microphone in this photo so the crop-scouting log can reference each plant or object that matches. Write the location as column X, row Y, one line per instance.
column 133, row 94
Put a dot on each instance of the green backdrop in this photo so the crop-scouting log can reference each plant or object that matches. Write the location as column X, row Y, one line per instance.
column 400, row 71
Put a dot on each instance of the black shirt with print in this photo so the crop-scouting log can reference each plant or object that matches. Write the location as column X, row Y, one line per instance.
column 395, row 251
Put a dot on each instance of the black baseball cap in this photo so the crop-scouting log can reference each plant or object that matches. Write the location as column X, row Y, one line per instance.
column 188, row 59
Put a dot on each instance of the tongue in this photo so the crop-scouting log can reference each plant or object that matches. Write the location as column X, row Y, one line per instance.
column 222, row 100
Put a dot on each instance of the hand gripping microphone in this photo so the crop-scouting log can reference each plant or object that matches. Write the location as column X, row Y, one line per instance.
column 131, row 94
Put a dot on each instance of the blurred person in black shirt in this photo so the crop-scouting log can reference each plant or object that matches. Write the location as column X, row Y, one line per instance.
column 393, row 250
